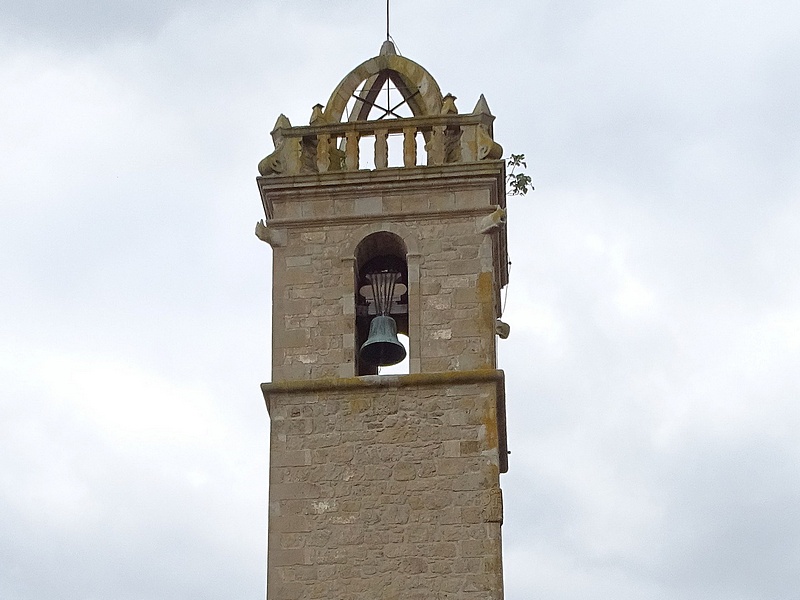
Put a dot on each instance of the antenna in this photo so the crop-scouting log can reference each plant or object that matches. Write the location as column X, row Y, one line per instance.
column 388, row 102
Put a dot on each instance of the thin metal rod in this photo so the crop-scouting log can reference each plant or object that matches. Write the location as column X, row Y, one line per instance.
column 387, row 20
column 385, row 111
column 391, row 110
column 383, row 284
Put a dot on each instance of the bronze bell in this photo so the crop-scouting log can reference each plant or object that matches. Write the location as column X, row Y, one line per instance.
column 382, row 347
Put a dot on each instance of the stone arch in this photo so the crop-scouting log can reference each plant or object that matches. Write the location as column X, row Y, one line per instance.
column 379, row 252
column 417, row 86
column 409, row 237
column 381, row 244
column 411, row 326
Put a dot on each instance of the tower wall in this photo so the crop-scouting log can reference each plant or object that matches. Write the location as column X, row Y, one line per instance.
column 386, row 486
column 455, row 269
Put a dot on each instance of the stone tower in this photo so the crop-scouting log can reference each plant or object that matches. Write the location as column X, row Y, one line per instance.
column 386, row 486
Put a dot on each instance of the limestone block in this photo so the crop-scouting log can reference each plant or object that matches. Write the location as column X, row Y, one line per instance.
column 415, row 203
column 392, row 204
column 368, row 206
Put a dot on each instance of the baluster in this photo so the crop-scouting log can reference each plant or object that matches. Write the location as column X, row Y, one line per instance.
column 409, row 146
column 291, row 155
column 351, row 151
column 381, row 149
column 469, row 143
column 435, row 146
column 323, row 152
column 452, row 145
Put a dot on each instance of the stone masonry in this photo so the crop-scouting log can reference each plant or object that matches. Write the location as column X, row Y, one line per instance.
column 386, row 486
column 451, row 266
column 385, row 489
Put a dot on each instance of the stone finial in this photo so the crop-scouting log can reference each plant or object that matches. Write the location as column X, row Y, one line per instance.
column 317, row 115
column 449, row 105
column 482, row 107
column 285, row 159
column 274, row 163
column 282, row 122
column 387, row 49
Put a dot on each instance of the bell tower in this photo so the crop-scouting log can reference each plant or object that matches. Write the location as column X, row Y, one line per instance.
column 385, row 486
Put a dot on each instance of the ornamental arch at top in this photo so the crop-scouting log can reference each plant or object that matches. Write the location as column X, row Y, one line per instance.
column 329, row 144
column 418, row 87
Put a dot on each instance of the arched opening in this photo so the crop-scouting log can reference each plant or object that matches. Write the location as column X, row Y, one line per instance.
column 381, row 289
column 385, row 95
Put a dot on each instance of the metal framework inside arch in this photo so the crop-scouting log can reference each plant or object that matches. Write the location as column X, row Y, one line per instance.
column 368, row 97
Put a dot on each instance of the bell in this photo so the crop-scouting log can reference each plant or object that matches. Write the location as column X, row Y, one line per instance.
column 382, row 347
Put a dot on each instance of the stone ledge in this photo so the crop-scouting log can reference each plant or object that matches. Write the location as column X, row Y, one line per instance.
column 429, row 215
column 381, row 381
column 390, row 177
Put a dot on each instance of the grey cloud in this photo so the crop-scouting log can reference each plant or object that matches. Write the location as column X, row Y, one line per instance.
column 85, row 24
column 666, row 138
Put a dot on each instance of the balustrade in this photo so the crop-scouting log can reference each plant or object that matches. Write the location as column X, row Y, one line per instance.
column 336, row 147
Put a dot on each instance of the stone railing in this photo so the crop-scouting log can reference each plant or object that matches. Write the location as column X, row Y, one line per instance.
column 322, row 148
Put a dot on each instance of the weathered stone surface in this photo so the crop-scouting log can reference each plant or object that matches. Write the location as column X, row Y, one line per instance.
column 361, row 505
column 386, row 487
column 453, row 287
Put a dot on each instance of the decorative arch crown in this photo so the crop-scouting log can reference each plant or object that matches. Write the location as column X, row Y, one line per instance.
column 330, row 145
column 417, row 86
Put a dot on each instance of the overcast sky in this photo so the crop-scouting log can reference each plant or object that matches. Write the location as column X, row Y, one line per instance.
column 654, row 302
